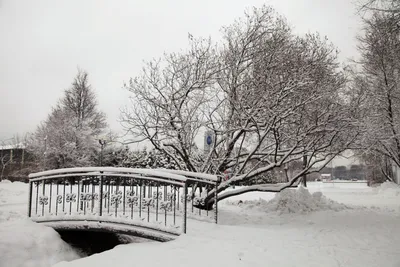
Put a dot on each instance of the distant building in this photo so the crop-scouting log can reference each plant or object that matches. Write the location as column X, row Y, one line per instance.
column 13, row 159
column 352, row 172
column 326, row 176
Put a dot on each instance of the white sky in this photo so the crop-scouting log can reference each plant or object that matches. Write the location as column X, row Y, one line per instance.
column 44, row 41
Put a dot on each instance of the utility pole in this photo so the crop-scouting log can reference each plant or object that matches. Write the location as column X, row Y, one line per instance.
column 44, row 153
column 102, row 143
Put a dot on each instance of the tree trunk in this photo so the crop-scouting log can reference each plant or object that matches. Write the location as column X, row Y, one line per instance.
column 2, row 172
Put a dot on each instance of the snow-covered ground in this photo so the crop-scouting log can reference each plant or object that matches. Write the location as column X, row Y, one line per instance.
column 22, row 242
column 326, row 225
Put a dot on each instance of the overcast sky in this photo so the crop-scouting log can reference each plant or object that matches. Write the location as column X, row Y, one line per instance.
column 43, row 43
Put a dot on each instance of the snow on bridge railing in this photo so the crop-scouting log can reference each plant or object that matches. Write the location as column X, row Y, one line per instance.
column 138, row 197
column 195, row 176
column 146, row 172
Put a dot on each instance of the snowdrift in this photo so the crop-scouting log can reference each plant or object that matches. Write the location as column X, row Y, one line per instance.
column 25, row 244
column 388, row 189
column 14, row 193
column 294, row 201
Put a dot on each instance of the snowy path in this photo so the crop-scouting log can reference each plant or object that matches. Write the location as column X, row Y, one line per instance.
column 342, row 239
column 249, row 236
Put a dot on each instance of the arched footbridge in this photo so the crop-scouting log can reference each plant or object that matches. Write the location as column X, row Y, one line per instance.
column 150, row 203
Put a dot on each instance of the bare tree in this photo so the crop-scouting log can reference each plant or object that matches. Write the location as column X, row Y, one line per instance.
column 377, row 91
column 5, row 159
column 386, row 6
column 269, row 97
column 378, row 167
column 169, row 99
column 283, row 94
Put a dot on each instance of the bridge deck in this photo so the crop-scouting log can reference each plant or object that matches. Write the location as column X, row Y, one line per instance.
column 110, row 227
column 170, row 228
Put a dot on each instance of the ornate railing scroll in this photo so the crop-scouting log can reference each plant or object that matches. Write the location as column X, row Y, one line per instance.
column 199, row 187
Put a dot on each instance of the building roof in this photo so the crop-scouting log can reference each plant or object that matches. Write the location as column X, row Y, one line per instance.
column 13, row 146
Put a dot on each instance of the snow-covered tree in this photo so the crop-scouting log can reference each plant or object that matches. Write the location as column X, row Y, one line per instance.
column 376, row 91
column 168, row 101
column 386, row 6
column 68, row 137
column 270, row 98
column 80, row 101
column 119, row 156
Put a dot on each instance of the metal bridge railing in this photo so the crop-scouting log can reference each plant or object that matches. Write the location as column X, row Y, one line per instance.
column 153, row 199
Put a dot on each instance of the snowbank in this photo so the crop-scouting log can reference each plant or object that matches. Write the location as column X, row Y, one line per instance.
column 355, row 238
column 294, row 201
column 24, row 243
column 388, row 189
column 10, row 215
column 14, row 193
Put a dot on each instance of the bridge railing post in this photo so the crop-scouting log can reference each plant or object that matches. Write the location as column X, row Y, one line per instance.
column 216, row 202
column 30, row 199
column 184, row 206
column 82, row 188
column 101, row 194
column 43, row 193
